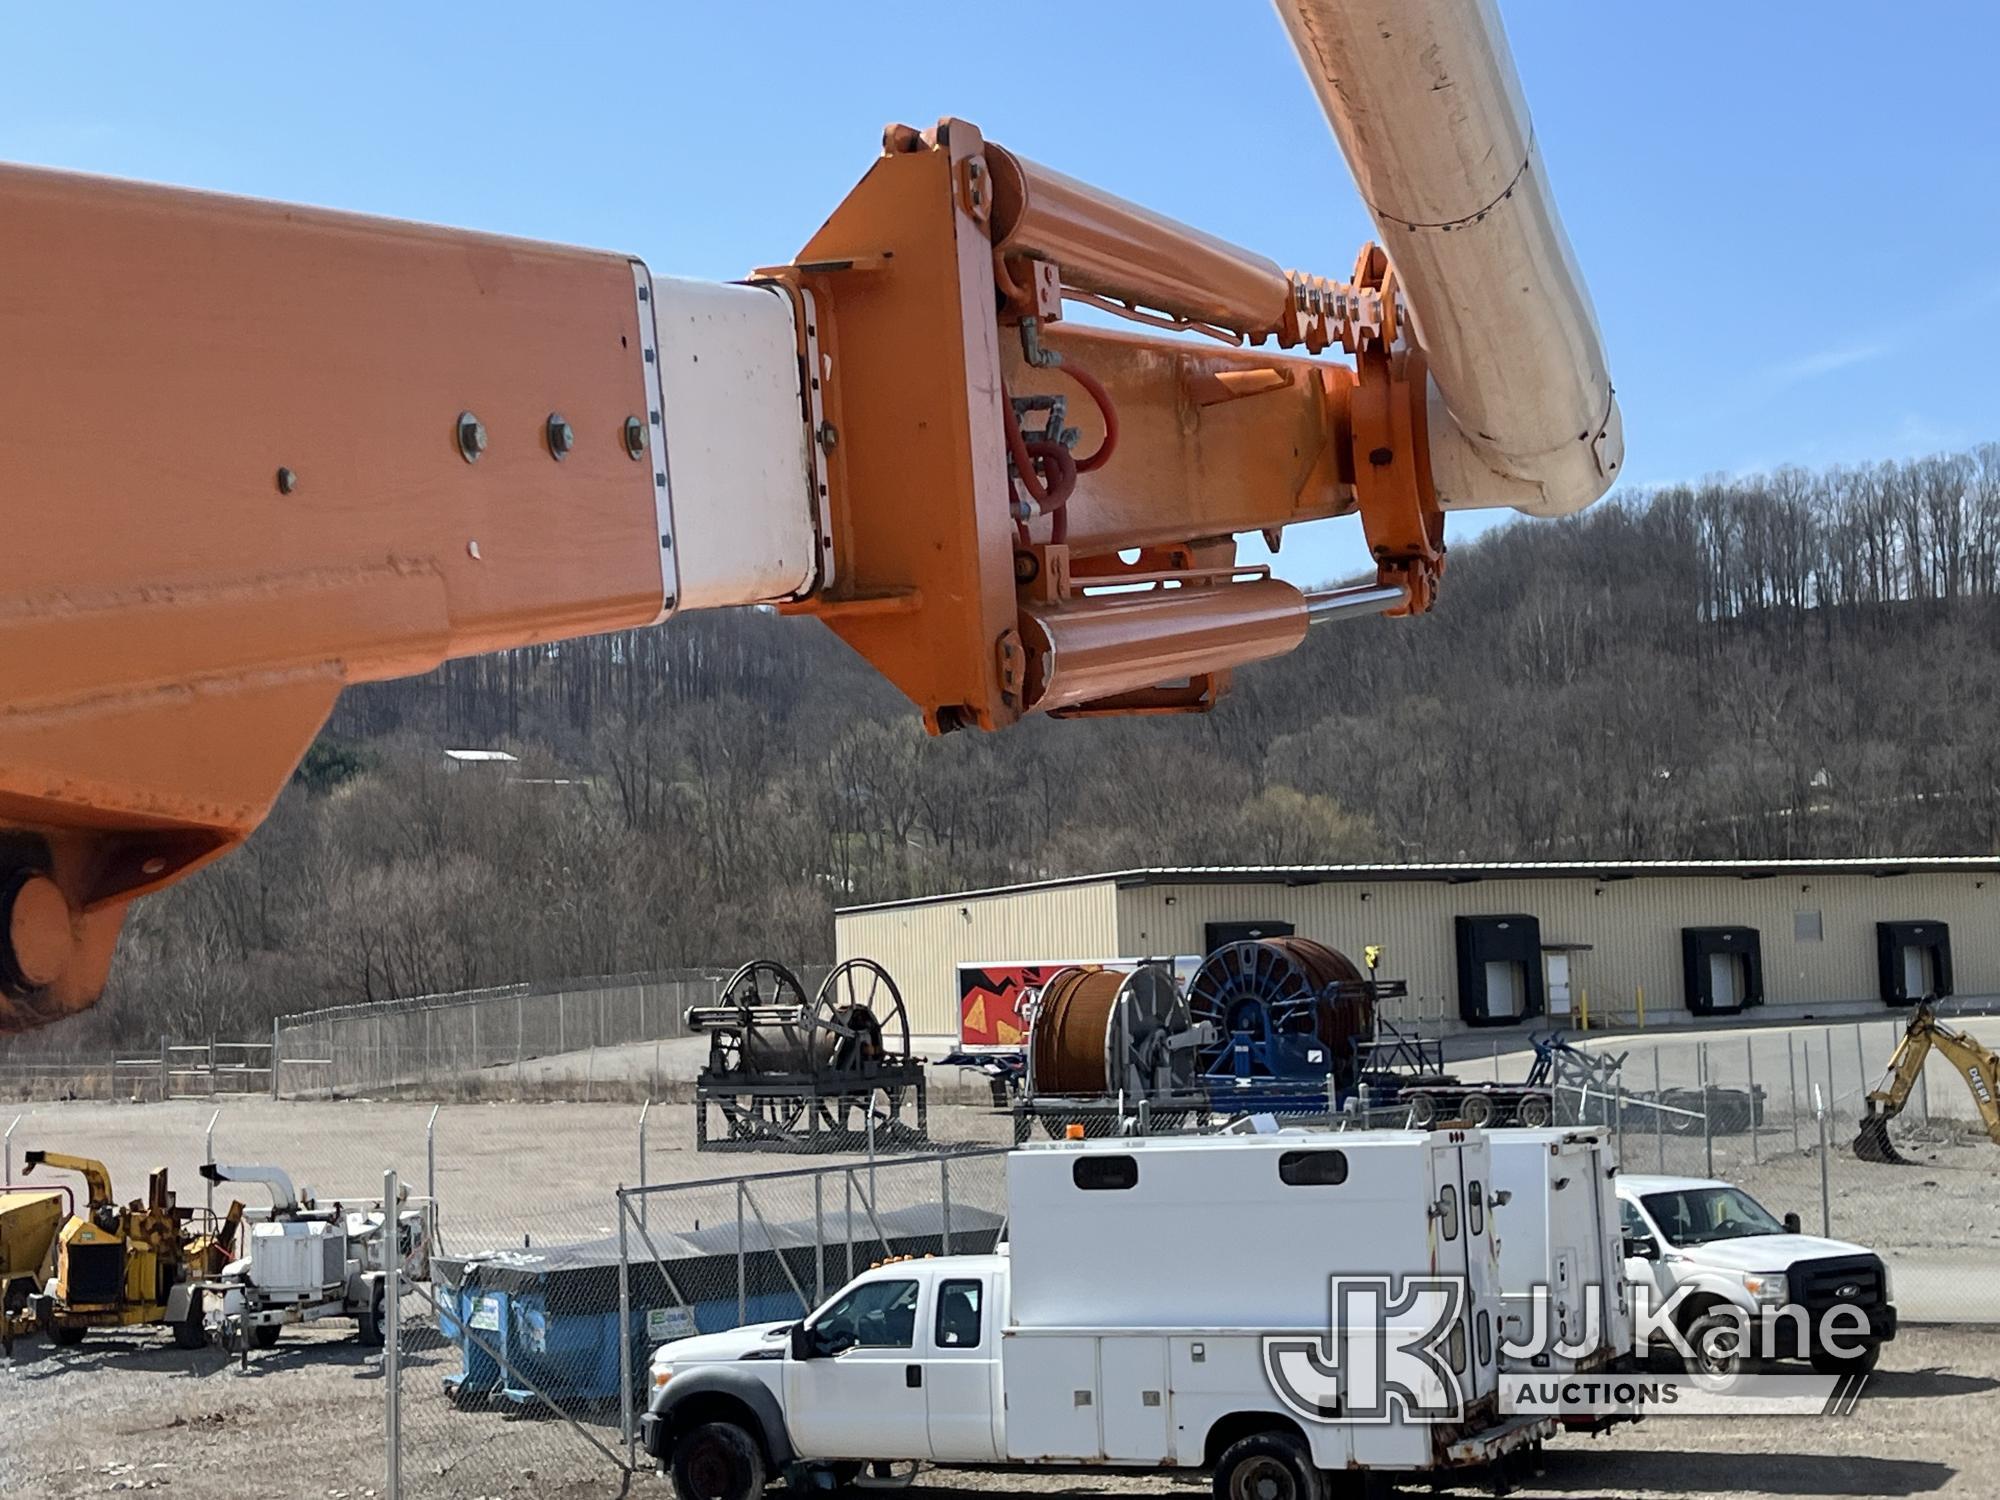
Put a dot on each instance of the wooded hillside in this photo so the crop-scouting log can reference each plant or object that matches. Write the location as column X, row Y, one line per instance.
column 1793, row 664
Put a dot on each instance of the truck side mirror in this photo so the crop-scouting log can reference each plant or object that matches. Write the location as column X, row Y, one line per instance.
column 802, row 1341
column 1642, row 1246
column 1791, row 1223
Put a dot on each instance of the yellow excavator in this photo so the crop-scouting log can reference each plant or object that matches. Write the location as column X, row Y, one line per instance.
column 1980, row 1068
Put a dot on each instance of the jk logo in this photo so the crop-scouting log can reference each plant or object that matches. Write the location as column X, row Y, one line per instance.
column 1395, row 1347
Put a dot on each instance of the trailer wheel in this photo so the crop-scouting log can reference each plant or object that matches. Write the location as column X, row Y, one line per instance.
column 1267, row 1466
column 1477, row 1110
column 718, row 1461
column 1423, row 1111
column 189, row 1333
column 264, row 1335
column 1533, row 1111
column 369, row 1318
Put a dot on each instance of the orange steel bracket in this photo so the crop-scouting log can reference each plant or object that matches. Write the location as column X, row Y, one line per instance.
column 904, row 274
column 1391, row 447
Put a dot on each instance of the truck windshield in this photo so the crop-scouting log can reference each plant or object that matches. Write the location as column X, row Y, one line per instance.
column 1696, row 1215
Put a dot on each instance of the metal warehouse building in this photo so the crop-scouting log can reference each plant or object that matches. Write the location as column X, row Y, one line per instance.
column 1499, row 944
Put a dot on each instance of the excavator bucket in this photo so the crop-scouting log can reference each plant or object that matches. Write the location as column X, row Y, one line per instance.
column 1872, row 1142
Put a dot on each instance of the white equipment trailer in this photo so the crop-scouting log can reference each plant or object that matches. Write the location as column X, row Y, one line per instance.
column 1162, row 1303
column 304, row 1263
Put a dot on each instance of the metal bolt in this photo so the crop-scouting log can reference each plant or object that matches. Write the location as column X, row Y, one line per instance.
column 287, row 481
column 828, row 436
column 635, row 438
column 471, row 437
column 562, row 436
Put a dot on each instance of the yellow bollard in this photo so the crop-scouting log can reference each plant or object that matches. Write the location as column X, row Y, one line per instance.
column 1583, row 1011
column 1642, row 1007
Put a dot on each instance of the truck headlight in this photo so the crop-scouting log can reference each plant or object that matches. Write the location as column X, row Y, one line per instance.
column 1767, row 1287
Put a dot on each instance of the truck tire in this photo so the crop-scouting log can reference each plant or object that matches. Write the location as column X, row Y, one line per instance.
column 718, row 1461
column 1825, row 1362
column 67, row 1335
column 1267, row 1466
column 369, row 1318
column 1423, row 1110
column 264, row 1335
column 189, row 1332
column 1534, row 1110
column 1478, row 1110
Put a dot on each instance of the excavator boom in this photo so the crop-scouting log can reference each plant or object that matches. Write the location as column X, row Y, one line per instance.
column 257, row 452
column 1979, row 1068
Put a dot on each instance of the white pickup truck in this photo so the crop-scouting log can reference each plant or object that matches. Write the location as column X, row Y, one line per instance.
column 1128, row 1324
column 1725, row 1251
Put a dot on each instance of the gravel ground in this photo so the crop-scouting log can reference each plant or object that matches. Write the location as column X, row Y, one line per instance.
column 132, row 1413
column 129, row 1412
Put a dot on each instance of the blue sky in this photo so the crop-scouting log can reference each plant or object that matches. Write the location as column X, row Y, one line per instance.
column 1786, row 213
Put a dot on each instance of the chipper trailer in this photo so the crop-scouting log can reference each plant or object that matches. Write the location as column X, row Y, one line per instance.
column 114, row 1267
column 302, row 1263
column 29, row 1219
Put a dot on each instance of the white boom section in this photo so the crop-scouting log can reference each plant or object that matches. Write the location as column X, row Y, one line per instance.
column 741, row 467
column 1425, row 102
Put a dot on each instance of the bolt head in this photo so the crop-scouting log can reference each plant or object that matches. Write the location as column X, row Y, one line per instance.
column 471, row 436
column 287, row 481
column 562, row 436
column 635, row 437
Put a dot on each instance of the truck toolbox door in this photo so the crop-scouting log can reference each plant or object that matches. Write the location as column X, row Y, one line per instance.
column 961, row 1364
column 867, row 1401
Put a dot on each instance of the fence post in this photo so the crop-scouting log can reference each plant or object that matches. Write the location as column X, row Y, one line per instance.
column 7, row 1153
column 1826, row 1038
column 1659, row 1113
column 208, row 1156
column 644, row 1110
column 625, row 1422
column 392, row 1363
column 1750, row 1063
column 475, row 1008
column 1707, row 1130
column 211, row 1062
column 1792, row 1068
column 165, row 1082
column 819, row 1238
column 1825, row 1167
column 431, row 1156
column 520, row 1038
column 944, row 1200
column 742, row 1282
column 1860, row 1064
column 562, row 1022
column 274, row 1060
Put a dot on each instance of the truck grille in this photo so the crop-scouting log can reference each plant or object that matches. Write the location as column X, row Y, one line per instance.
column 1852, row 1280
column 94, row 1274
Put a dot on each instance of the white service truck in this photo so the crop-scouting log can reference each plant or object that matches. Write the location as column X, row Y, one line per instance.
column 1149, row 1290
column 1737, row 1267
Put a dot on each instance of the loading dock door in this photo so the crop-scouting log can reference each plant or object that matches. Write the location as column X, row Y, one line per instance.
column 1725, row 980
column 1917, row 968
column 1505, row 990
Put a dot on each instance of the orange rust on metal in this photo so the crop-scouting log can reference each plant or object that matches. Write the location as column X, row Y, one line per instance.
column 1095, row 647
column 1115, row 248
column 916, row 398
column 1072, row 1021
column 178, row 620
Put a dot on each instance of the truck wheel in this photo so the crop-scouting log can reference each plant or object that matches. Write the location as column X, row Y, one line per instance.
column 1477, row 1110
column 718, row 1461
column 1267, row 1466
column 1534, row 1110
column 68, row 1335
column 1721, row 1351
column 1825, row 1362
column 189, row 1332
column 264, row 1335
column 1423, row 1111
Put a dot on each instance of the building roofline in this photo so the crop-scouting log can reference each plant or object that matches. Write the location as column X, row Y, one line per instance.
column 1466, row 873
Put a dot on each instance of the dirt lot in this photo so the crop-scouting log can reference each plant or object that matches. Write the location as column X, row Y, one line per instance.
column 131, row 1413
